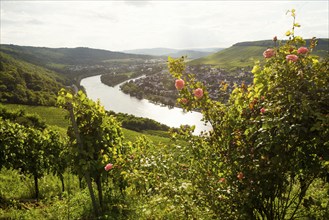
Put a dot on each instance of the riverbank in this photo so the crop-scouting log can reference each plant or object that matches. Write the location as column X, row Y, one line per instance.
column 160, row 87
column 115, row 100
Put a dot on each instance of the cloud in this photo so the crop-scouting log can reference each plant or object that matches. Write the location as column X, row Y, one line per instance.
column 8, row 22
column 98, row 15
column 138, row 3
column 35, row 22
column 119, row 25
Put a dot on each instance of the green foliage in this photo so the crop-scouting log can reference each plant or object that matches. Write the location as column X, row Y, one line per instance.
column 113, row 79
column 138, row 123
column 132, row 89
column 269, row 142
column 17, row 190
column 96, row 140
column 75, row 206
column 14, row 185
column 25, row 83
column 20, row 117
column 27, row 146
column 54, row 117
column 101, row 135
column 316, row 202
column 157, row 178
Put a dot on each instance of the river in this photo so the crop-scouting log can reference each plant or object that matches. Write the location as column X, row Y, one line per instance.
column 114, row 99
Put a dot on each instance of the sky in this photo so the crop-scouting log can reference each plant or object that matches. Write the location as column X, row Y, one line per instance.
column 123, row 25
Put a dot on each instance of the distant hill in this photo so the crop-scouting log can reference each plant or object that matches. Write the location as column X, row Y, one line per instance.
column 60, row 57
column 190, row 53
column 160, row 51
column 245, row 54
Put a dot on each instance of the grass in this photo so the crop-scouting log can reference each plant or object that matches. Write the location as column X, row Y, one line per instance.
column 16, row 193
column 55, row 118
column 157, row 137
column 235, row 56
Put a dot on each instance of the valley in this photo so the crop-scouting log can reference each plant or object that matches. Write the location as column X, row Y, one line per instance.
column 114, row 160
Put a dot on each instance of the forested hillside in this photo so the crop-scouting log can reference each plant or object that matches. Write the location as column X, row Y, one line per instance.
column 26, row 83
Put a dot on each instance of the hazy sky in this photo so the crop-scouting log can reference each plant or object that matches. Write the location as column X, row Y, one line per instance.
column 121, row 25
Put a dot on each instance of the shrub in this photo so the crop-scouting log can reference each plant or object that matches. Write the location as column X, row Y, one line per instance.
column 269, row 142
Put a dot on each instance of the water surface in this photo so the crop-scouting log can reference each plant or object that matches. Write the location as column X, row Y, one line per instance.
column 114, row 99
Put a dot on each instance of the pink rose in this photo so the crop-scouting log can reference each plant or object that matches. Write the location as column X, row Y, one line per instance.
column 262, row 110
column 179, row 84
column 198, row 93
column 269, row 53
column 222, row 180
column 108, row 166
column 292, row 57
column 240, row 176
column 302, row 50
column 184, row 101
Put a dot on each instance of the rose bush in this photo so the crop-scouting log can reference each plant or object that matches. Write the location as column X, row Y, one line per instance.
column 269, row 141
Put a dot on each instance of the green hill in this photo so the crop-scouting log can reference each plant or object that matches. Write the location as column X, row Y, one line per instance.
column 60, row 57
column 26, row 83
column 34, row 75
column 245, row 54
column 235, row 56
column 74, row 63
